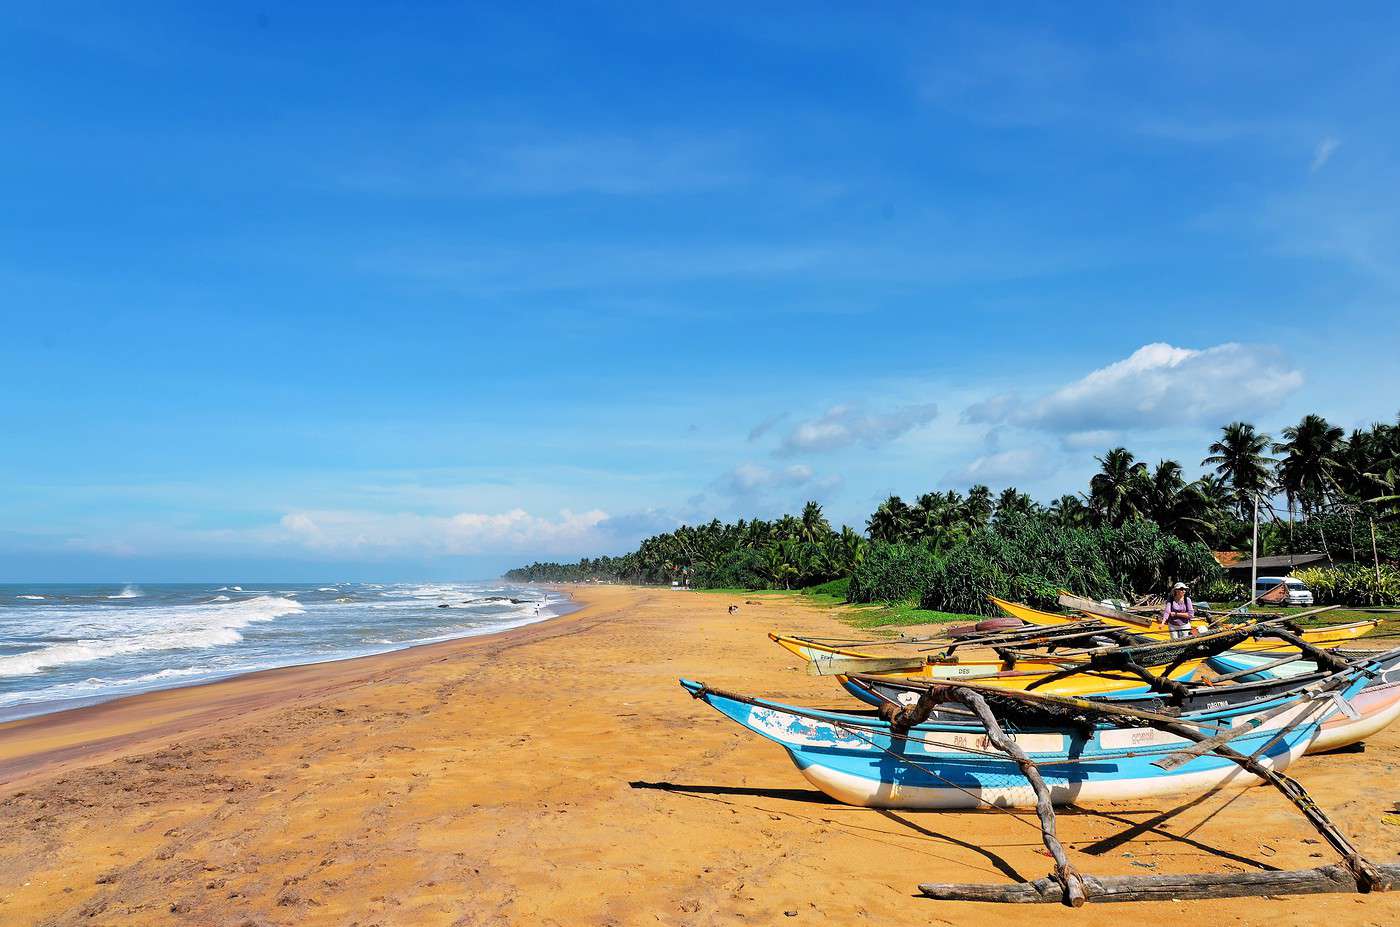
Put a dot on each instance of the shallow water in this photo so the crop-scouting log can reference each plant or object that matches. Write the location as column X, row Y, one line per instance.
column 62, row 645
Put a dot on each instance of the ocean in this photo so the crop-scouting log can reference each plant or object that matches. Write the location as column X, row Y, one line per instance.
column 66, row 645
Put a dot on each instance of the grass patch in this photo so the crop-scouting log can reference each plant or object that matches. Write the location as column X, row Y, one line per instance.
column 901, row 614
column 1387, row 617
column 836, row 588
column 876, row 615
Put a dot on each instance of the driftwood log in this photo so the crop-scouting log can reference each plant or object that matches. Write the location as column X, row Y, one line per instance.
column 1160, row 887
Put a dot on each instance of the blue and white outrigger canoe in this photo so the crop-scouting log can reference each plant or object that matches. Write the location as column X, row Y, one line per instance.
column 1372, row 709
column 945, row 764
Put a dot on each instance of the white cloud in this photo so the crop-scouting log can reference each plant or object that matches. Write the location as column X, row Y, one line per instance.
column 1098, row 438
column 1157, row 386
column 847, row 425
column 1325, row 149
column 1005, row 467
column 750, row 478
column 376, row 533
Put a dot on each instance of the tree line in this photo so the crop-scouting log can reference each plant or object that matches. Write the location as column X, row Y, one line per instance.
column 1338, row 492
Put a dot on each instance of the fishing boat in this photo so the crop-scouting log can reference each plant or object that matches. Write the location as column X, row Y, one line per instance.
column 1153, row 628
column 1046, row 673
column 838, row 661
column 1369, row 711
column 1081, row 755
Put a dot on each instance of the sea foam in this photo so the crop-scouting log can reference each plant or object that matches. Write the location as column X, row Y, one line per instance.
column 174, row 628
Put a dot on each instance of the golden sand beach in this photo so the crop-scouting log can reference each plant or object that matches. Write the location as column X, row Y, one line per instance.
column 557, row 775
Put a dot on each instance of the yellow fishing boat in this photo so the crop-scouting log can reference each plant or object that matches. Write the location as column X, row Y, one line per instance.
column 826, row 659
column 1331, row 635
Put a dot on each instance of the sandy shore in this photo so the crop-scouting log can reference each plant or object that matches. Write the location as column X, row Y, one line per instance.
column 556, row 774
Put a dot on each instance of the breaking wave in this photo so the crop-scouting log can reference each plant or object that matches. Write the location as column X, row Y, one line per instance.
column 176, row 628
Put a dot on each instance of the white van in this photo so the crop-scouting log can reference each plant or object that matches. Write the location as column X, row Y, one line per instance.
column 1295, row 593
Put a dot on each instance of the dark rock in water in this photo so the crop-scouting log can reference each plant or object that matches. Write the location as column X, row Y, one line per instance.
column 444, row 605
column 500, row 598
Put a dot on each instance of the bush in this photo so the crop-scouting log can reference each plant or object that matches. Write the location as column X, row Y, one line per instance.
column 839, row 588
column 1352, row 584
column 1222, row 589
column 741, row 568
column 891, row 573
column 1029, row 559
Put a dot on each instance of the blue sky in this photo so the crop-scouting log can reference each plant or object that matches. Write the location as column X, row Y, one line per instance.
column 424, row 291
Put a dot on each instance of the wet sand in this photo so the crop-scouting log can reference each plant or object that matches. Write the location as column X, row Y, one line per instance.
column 556, row 774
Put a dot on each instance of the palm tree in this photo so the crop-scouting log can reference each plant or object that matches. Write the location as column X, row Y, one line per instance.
column 924, row 515
column 1068, row 511
column 1011, row 501
column 815, row 527
column 977, row 508
column 1163, row 489
column 780, row 561
column 1312, row 457
column 787, row 527
column 891, row 522
column 1187, row 510
column 1117, row 492
column 850, row 548
column 1216, row 492
column 1239, row 458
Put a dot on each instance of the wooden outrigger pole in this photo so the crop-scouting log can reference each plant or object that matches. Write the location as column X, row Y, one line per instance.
column 1067, row 885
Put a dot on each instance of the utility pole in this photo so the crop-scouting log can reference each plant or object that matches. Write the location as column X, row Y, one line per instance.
column 1254, row 553
column 1375, row 554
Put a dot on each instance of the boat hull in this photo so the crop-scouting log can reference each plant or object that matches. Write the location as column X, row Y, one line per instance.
column 1333, row 634
column 859, row 761
column 1374, row 708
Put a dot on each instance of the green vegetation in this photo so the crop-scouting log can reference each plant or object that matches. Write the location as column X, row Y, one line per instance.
column 1135, row 530
column 1353, row 584
column 1027, row 558
column 893, row 572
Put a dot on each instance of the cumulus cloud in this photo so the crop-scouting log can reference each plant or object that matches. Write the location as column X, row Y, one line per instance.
column 1323, row 153
column 847, row 425
column 1158, row 385
column 375, row 533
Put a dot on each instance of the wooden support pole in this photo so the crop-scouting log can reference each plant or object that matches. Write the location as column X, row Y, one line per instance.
column 1325, row 659
column 1157, row 683
column 1068, row 878
column 1161, row 887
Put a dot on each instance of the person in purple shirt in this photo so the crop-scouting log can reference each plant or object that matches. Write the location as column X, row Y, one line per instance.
column 1178, row 612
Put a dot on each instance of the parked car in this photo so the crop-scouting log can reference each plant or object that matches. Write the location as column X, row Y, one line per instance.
column 1295, row 593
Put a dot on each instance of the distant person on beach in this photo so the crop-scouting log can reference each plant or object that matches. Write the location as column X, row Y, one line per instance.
column 1178, row 612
